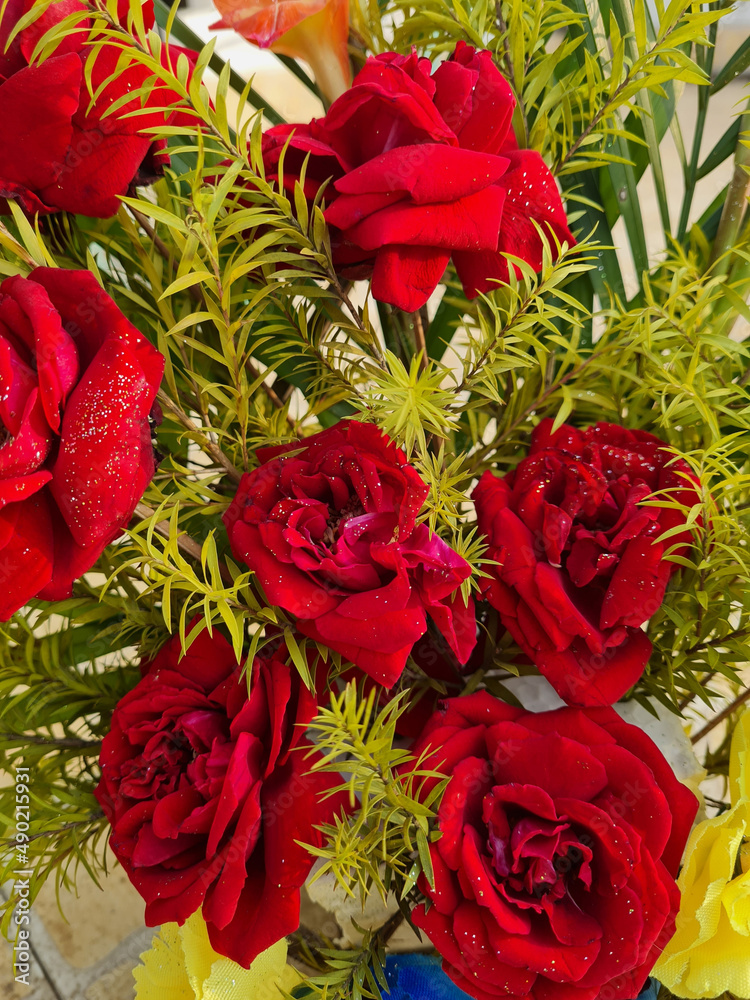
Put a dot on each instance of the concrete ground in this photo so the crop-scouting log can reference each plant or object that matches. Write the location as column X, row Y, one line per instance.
column 88, row 953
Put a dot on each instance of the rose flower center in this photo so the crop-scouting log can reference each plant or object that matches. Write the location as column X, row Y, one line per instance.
column 338, row 518
column 156, row 771
column 534, row 857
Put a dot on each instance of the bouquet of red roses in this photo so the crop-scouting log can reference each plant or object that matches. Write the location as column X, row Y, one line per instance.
column 373, row 538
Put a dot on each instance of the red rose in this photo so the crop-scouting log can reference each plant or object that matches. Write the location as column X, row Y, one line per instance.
column 328, row 527
column 425, row 168
column 59, row 153
column 561, row 834
column 208, row 791
column 78, row 383
column 578, row 565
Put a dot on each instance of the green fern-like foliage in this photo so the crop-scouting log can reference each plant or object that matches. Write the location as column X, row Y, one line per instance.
column 232, row 280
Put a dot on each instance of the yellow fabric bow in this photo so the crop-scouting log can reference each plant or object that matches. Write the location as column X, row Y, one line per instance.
column 182, row 965
column 710, row 951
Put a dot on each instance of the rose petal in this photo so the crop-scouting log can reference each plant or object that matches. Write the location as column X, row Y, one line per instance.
column 468, row 223
column 99, row 477
column 429, row 173
column 54, row 350
column 25, row 564
column 37, row 105
column 406, row 276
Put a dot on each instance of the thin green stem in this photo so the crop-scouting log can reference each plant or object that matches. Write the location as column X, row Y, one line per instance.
column 735, row 204
column 704, row 94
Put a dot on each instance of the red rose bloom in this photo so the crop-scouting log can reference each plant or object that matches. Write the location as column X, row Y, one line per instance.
column 58, row 152
column 77, row 383
column 561, row 833
column 425, row 168
column 208, row 791
column 578, row 565
column 328, row 527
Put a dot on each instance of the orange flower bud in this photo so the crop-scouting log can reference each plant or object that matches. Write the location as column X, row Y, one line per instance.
column 314, row 30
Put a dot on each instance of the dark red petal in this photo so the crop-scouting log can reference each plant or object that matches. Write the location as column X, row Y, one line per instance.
column 36, row 108
column 531, row 195
column 548, row 989
column 17, row 378
column 484, row 120
column 349, row 209
column 106, row 459
column 454, row 85
column 562, row 767
column 584, row 726
column 91, row 317
column 660, row 903
column 208, row 662
column 369, row 645
column 171, row 894
column 542, row 952
column 98, row 169
column 474, row 872
column 531, row 798
column 12, row 60
column 636, row 589
column 265, row 913
column 613, row 852
column 406, row 276
column 469, row 223
column 479, row 709
column 71, row 560
column 581, row 677
column 620, row 916
column 290, row 589
column 295, row 803
column 274, row 680
column 480, row 270
column 172, row 811
column 25, row 558
column 22, row 454
column 633, row 796
column 574, row 929
column 29, row 202
column 457, row 623
column 108, row 155
column 151, row 851
column 55, row 354
column 428, row 172
column 385, row 105
column 461, row 805
column 15, row 490
column 683, row 804
column 490, row 496
column 448, row 746
column 446, row 893
column 241, row 783
column 480, row 962
column 220, row 906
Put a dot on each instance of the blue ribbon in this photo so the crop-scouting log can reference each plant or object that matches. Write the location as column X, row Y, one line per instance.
column 650, row 990
column 419, row 977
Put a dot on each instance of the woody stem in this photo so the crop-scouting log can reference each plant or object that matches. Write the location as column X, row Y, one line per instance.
column 737, row 703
